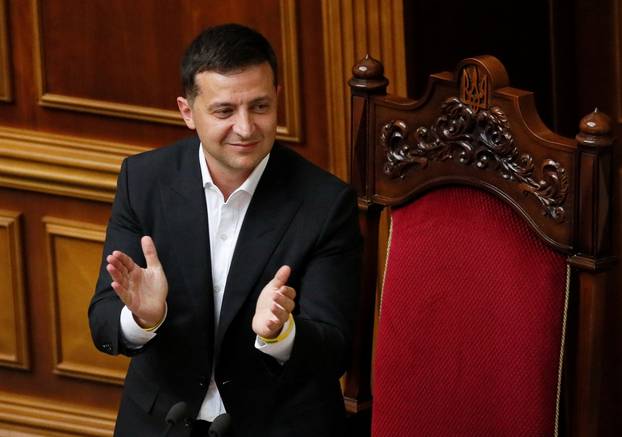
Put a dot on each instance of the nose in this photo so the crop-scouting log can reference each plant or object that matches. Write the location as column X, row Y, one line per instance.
column 244, row 125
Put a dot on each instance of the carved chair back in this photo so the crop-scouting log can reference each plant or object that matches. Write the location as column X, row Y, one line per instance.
column 492, row 305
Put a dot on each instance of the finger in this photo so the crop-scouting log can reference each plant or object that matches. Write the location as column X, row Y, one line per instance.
column 127, row 262
column 122, row 292
column 285, row 302
column 149, row 250
column 118, row 265
column 289, row 292
column 274, row 326
column 115, row 274
column 279, row 313
column 281, row 276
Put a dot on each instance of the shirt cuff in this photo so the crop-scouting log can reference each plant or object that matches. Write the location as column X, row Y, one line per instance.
column 133, row 334
column 281, row 348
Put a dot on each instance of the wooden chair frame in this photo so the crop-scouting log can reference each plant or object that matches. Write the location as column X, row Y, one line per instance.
column 562, row 187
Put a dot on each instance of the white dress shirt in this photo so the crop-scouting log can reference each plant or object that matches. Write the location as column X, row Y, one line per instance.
column 225, row 220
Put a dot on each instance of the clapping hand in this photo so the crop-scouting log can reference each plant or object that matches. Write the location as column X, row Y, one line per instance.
column 143, row 291
column 274, row 305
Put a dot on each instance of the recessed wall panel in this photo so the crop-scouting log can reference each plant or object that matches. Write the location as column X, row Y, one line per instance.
column 74, row 254
column 13, row 340
column 122, row 58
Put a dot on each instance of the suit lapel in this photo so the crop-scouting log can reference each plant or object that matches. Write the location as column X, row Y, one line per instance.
column 183, row 200
column 271, row 210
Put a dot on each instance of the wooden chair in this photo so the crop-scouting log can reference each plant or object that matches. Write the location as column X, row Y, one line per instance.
column 490, row 320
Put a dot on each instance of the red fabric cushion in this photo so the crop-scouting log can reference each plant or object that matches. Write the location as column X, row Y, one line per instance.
column 471, row 320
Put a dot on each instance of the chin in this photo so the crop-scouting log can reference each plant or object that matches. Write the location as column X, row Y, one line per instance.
column 246, row 164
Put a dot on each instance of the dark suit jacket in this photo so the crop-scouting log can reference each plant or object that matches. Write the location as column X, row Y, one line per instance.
column 300, row 216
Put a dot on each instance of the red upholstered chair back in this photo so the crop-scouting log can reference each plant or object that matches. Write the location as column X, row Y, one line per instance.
column 490, row 321
column 471, row 322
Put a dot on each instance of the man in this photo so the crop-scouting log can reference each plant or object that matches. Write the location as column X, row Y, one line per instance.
column 231, row 264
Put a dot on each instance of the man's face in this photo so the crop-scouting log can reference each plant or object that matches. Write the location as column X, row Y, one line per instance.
column 234, row 115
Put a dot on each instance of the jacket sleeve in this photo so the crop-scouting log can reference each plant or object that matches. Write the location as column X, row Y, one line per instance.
column 123, row 233
column 328, row 294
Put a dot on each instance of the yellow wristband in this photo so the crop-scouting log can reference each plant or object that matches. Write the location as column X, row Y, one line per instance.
column 153, row 328
column 283, row 334
column 157, row 325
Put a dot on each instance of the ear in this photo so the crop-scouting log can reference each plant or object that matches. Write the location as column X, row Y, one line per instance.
column 279, row 89
column 186, row 111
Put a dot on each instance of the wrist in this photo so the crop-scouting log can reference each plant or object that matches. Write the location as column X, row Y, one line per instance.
column 151, row 325
column 282, row 333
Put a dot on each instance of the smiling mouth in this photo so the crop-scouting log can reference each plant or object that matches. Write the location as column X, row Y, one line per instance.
column 250, row 144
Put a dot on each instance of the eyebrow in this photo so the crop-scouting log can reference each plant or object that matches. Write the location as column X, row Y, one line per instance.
column 219, row 105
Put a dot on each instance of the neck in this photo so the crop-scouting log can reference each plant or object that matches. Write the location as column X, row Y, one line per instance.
column 227, row 182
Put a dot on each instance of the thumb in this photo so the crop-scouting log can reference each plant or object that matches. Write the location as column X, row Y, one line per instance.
column 149, row 250
column 281, row 276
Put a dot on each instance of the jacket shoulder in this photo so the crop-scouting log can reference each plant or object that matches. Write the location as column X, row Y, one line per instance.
column 164, row 157
column 305, row 173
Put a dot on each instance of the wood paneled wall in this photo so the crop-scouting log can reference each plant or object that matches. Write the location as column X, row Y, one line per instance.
column 353, row 29
column 5, row 74
column 85, row 84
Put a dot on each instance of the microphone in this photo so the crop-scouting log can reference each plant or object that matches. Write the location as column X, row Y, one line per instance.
column 221, row 427
column 177, row 412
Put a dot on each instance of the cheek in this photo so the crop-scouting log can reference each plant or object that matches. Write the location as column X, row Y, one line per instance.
column 268, row 125
column 212, row 132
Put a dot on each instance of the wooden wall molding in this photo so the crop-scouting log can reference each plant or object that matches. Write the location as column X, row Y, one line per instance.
column 14, row 348
column 25, row 417
column 74, row 254
column 6, row 94
column 351, row 30
column 58, row 164
column 617, row 44
column 291, row 131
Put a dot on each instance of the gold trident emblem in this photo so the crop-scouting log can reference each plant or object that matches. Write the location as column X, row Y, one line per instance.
column 474, row 88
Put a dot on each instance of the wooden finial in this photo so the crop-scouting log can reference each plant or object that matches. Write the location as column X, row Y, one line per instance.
column 595, row 123
column 595, row 129
column 368, row 75
column 368, row 68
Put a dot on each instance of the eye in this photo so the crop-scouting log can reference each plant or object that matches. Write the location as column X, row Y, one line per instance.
column 223, row 112
column 261, row 107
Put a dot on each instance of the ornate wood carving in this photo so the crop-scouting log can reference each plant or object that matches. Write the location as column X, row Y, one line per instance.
column 479, row 138
column 13, row 327
column 474, row 87
column 74, row 251
column 5, row 71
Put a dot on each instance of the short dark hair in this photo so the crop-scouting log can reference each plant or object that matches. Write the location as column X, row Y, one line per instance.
column 223, row 49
